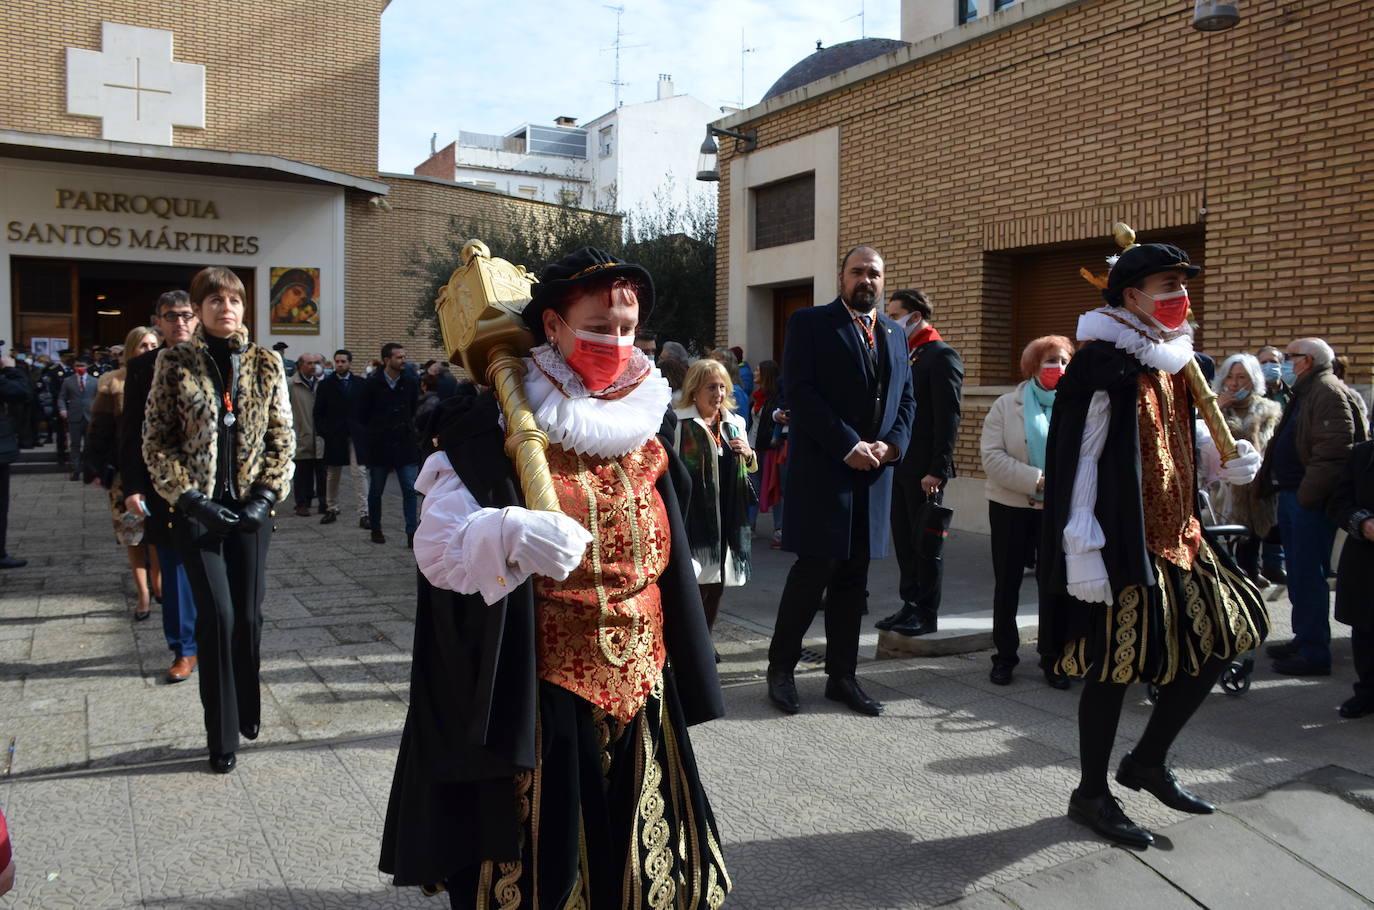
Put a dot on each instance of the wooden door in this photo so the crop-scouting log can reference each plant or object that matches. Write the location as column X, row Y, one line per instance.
column 787, row 301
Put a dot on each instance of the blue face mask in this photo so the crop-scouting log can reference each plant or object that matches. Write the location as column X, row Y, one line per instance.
column 1289, row 375
column 1242, row 394
column 1271, row 371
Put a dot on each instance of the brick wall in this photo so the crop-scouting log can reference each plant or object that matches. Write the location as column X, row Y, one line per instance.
column 1045, row 134
column 298, row 80
column 442, row 164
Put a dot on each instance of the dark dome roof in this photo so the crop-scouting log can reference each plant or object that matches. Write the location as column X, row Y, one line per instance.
column 830, row 60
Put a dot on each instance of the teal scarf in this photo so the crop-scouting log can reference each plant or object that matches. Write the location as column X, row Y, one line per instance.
column 1036, row 404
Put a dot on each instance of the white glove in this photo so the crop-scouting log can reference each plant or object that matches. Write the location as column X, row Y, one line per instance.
column 1087, row 577
column 543, row 543
column 1244, row 467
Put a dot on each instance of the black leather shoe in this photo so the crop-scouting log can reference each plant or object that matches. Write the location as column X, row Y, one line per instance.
column 1056, row 680
column 1159, row 782
column 1000, row 675
column 1358, row 706
column 250, row 731
column 1283, row 650
column 846, row 689
column 1104, row 815
column 782, row 689
column 1301, row 666
column 922, row 622
column 903, row 616
column 223, row 764
column 1277, row 576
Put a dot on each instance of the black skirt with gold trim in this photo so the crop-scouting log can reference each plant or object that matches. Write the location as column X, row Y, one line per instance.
column 613, row 816
column 1155, row 633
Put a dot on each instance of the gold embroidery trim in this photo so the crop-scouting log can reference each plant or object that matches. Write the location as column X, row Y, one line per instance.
column 653, row 829
column 636, row 548
column 602, row 600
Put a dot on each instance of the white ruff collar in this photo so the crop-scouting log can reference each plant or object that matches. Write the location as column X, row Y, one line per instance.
column 603, row 427
column 1122, row 328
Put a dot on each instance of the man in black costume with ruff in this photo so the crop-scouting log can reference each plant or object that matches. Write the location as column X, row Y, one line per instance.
column 1131, row 589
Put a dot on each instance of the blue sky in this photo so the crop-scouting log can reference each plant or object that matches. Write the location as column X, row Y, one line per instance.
column 487, row 68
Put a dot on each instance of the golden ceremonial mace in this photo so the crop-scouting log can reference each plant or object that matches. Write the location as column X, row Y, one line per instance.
column 1203, row 397
column 479, row 314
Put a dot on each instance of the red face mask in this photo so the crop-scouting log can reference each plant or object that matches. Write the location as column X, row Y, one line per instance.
column 599, row 359
column 1171, row 309
column 1049, row 375
column 80, row 371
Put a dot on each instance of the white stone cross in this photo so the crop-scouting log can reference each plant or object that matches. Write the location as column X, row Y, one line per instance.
column 134, row 86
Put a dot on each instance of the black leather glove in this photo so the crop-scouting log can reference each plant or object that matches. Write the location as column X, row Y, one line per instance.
column 218, row 519
column 257, row 509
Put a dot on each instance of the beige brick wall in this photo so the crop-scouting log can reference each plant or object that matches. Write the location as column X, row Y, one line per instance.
column 297, row 80
column 1047, row 133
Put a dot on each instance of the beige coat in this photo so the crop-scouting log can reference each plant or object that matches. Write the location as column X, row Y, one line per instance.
column 309, row 444
column 1247, row 505
column 1006, row 458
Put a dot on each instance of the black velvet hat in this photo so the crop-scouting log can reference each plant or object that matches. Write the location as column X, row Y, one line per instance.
column 587, row 266
column 1142, row 261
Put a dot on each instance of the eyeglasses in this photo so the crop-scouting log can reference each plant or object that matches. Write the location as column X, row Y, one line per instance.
column 172, row 316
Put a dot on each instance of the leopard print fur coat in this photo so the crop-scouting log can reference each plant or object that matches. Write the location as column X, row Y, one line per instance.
column 182, row 421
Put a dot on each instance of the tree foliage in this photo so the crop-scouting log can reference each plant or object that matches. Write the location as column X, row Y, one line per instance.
column 675, row 241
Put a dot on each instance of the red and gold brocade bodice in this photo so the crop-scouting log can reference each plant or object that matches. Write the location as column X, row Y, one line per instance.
column 1167, row 468
column 600, row 631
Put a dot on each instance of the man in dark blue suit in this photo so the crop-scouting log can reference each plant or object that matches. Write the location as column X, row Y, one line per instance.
column 847, row 384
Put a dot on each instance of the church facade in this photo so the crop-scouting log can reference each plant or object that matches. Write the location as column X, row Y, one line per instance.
column 140, row 142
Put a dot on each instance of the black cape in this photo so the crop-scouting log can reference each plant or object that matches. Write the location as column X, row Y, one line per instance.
column 473, row 684
column 1098, row 366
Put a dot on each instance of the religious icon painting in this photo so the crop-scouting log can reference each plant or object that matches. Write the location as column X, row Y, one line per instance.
column 295, row 307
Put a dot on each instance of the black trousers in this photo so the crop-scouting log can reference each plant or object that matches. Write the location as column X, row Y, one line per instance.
column 309, row 480
column 843, row 584
column 921, row 578
column 1015, row 532
column 4, row 506
column 228, row 576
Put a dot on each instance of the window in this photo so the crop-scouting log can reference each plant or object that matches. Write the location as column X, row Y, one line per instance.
column 965, row 11
column 568, row 197
column 604, row 141
column 529, row 192
column 785, row 212
column 1001, row 4
column 485, row 184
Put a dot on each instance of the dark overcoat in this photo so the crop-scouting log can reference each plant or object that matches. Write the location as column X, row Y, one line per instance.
column 937, row 384
column 1350, row 505
column 473, row 682
column 133, row 470
column 336, row 418
column 386, row 414
column 831, row 405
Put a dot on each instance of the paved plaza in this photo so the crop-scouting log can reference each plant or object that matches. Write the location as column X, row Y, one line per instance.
column 956, row 795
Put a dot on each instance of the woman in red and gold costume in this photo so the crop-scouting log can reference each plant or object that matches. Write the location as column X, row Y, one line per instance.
column 560, row 657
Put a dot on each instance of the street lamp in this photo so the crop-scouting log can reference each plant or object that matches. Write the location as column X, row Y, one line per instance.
column 1214, row 16
column 708, row 162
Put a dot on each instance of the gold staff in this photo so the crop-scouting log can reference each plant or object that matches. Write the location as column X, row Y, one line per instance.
column 1203, row 397
column 479, row 316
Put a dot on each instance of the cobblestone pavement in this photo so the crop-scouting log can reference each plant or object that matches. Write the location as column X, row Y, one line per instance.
column 956, row 794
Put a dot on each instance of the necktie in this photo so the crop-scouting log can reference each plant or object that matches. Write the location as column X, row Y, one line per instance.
column 81, row 383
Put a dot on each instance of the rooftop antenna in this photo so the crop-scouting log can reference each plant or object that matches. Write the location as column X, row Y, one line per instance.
column 743, row 52
column 863, row 21
column 618, row 46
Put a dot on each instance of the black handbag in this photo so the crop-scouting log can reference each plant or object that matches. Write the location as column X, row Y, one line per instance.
column 932, row 525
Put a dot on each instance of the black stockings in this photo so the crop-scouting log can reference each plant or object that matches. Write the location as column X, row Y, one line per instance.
column 1099, row 710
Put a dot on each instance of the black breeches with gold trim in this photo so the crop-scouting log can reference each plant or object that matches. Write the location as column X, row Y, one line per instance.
column 613, row 816
column 1173, row 627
